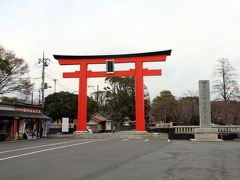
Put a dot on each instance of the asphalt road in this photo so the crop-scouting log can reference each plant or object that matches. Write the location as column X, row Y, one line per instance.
column 56, row 159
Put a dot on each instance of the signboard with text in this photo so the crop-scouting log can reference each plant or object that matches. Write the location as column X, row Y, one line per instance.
column 65, row 124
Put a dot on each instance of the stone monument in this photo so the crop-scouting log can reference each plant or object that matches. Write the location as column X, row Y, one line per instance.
column 205, row 132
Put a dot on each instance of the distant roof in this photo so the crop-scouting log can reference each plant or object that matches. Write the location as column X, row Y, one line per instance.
column 21, row 105
column 30, row 115
column 155, row 53
column 99, row 118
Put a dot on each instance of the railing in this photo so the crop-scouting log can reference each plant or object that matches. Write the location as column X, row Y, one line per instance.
column 228, row 129
column 185, row 129
column 59, row 125
column 221, row 129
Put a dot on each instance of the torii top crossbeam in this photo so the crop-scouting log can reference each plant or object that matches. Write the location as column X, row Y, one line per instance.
column 138, row 72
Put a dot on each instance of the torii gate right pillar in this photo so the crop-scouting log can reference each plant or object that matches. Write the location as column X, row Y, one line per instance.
column 140, row 112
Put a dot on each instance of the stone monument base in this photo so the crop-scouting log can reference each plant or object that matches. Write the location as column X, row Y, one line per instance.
column 81, row 132
column 206, row 134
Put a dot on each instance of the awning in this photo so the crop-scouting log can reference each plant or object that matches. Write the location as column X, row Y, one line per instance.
column 29, row 115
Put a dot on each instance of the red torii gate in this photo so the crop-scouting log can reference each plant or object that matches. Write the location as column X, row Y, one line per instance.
column 138, row 72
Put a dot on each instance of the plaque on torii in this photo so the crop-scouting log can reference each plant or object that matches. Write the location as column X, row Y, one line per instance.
column 138, row 72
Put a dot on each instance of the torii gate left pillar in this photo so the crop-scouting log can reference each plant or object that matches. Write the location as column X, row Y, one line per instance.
column 139, row 72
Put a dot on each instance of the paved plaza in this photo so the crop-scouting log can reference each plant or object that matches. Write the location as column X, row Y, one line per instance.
column 119, row 159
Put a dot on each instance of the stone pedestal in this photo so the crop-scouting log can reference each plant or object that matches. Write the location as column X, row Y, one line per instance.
column 206, row 134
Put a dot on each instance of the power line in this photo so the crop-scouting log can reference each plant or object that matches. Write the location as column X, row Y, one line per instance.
column 64, row 87
column 49, row 77
column 58, row 83
column 28, row 78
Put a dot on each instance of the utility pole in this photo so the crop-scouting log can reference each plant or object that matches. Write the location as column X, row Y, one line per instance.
column 32, row 98
column 97, row 93
column 39, row 96
column 44, row 62
column 55, row 81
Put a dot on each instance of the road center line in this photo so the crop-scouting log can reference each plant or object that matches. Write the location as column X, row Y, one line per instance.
column 32, row 147
column 50, row 149
column 125, row 140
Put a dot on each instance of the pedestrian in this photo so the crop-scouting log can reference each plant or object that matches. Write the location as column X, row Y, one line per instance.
column 114, row 128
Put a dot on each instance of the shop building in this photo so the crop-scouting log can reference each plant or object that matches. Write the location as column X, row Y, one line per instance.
column 18, row 121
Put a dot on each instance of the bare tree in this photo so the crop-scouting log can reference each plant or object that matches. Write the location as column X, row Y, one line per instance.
column 13, row 71
column 225, row 84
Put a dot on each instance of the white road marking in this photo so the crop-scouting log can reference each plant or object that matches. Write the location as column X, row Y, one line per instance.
column 50, row 149
column 146, row 140
column 125, row 140
column 32, row 147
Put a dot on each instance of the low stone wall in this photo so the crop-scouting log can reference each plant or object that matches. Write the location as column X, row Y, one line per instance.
column 117, row 135
column 160, row 136
column 59, row 130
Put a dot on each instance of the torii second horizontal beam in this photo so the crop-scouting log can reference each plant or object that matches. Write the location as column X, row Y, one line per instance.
column 131, row 72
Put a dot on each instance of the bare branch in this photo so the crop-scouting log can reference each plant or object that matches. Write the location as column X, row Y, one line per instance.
column 225, row 84
column 13, row 71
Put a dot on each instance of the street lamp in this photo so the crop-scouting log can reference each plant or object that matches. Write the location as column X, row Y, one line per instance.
column 39, row 91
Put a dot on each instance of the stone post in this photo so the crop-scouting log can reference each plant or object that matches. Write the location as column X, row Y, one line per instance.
column 205, row 132
column 204, row 104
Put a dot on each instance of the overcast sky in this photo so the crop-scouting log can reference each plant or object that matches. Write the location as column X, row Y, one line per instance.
column 198, row 31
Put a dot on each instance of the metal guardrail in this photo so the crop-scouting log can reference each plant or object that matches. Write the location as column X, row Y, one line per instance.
column 221, row 129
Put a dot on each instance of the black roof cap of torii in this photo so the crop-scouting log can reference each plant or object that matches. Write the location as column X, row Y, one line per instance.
column 155, row 53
